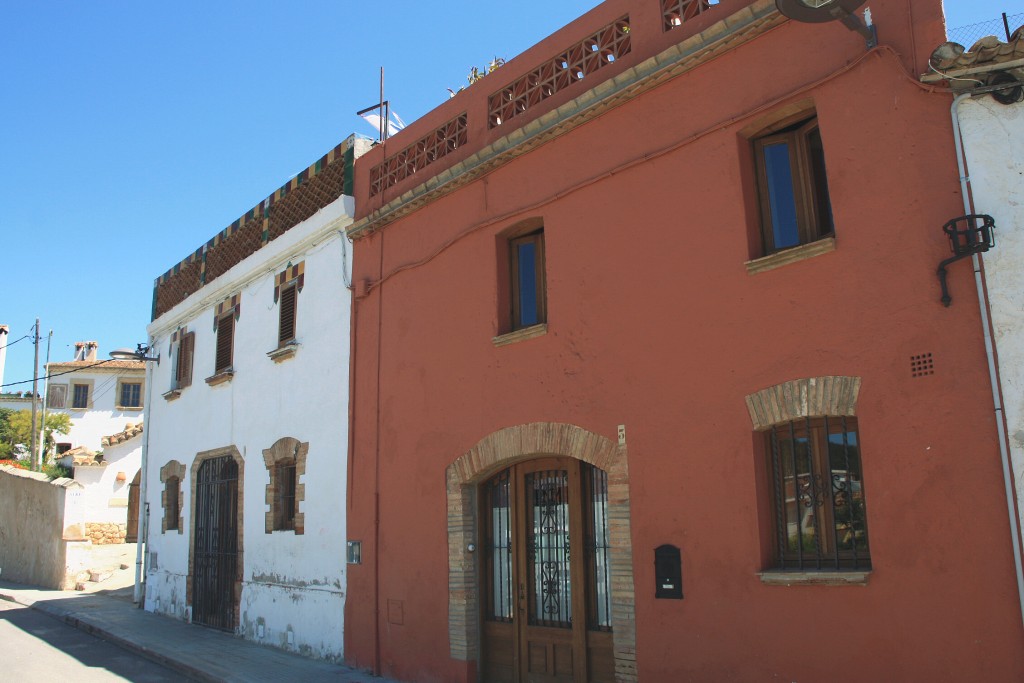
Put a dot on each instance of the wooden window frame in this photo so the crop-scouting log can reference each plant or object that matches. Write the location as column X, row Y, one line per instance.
column 288, row 301
column 88, row 395
column 224, row 344
column 183, row 360
column 535, row 237
column 172, row 503
column 121, row 384
column 825, row 554
column 810, row 187
column 285, row 500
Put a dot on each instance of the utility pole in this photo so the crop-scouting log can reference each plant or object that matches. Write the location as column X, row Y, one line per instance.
column 46, row 388
column 35, row 391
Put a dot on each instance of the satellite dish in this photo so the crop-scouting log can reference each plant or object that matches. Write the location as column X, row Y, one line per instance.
column 821, row 11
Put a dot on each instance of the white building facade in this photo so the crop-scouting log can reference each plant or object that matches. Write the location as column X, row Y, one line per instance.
column 991, row 126
column 248, row 425
column 100, row 396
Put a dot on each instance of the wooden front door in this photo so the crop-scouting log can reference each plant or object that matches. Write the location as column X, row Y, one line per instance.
column 132, row 525
column 215, row 553
column 547, row 588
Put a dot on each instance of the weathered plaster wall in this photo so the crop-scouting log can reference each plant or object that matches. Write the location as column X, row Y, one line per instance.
column 105, row 499
column 40, row 529
column 994, row 144
column 290, row 583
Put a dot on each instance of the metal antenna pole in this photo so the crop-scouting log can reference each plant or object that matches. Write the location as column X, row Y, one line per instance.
column 35, row 387
column 383, row 110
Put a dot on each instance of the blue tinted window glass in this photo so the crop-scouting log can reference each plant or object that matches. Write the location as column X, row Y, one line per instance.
column 527, row 258
column 779, row 174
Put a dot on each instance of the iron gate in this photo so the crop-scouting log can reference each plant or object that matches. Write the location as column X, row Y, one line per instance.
column 215, row 554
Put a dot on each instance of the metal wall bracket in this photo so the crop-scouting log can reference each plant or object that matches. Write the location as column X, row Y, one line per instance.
column 968, row 235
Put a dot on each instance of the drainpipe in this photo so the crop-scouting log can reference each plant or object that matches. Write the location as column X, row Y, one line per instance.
column 993, row 372
column 143, row 531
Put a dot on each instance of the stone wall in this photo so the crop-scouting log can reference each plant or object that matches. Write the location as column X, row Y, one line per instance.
column 103, row 533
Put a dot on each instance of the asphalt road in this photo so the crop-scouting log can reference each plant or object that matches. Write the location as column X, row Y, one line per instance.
column 37, row 647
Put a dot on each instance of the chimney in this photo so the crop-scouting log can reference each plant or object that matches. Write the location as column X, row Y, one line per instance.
column 86, row 350
column 4, row 336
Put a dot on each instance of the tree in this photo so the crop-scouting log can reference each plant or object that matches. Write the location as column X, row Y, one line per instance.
column 5, row 433
column 19, row 428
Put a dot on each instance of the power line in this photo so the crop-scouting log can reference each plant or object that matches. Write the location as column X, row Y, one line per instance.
column 13, row 342
column 58, row 374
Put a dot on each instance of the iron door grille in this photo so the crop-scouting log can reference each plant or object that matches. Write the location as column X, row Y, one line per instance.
column 215, row 563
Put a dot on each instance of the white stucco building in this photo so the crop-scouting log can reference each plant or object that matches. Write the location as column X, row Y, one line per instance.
column 248, row 425
column 105, row 400
column 100, row 396
column 992, row 130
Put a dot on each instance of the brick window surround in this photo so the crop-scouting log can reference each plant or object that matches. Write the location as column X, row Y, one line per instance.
column 497, row 451
column 283, row 450
column 240, row 461
column 172, row 469
column 802, row 398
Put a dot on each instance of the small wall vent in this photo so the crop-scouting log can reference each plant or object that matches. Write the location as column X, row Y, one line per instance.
column 922, row 365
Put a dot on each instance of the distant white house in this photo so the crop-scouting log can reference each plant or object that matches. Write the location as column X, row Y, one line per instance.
column 248, row 426
column 105, row 401
column 17, row 400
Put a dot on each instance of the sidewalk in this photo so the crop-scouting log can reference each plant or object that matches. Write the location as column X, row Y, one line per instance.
column 199, row 653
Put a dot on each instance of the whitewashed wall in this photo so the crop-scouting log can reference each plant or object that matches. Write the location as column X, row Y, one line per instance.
column 105, row 498
column 104, row 418
column 994, row 144
column 290, row 583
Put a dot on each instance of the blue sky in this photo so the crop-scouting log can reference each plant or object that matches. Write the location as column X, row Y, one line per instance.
column 132, row 132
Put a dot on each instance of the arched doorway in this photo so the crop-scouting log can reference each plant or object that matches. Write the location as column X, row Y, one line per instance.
column 215, row 546
column 131, row 534
column 467, row 479
column 546, row 589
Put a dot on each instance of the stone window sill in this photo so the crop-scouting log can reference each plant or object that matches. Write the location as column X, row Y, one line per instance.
column 787, row 256
column 521, row 335
column 283, row 353
column 815, row 578
column 220, row 378
column 172, row 394
column 129, row 409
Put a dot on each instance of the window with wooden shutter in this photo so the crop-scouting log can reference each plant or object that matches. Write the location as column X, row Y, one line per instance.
column 286, row 326
column 80, row 398
column 284, row 496
column 183, row 369
column 225, row 342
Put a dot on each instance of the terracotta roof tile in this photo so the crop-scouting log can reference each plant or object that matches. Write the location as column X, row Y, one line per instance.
column 131, row 430
column 987, row 54
column 83, row 457
column 111, row 364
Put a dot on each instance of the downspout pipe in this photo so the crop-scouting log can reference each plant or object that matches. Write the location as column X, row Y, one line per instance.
column 993, row 371
column 143, row 531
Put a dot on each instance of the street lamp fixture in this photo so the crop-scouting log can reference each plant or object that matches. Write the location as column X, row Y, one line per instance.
column 139, row 354
column 821, row 11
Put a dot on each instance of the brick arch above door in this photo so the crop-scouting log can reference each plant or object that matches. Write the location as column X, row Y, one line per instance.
column 496, row 452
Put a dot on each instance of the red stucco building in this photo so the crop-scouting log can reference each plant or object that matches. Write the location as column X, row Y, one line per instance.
column 660, row 292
